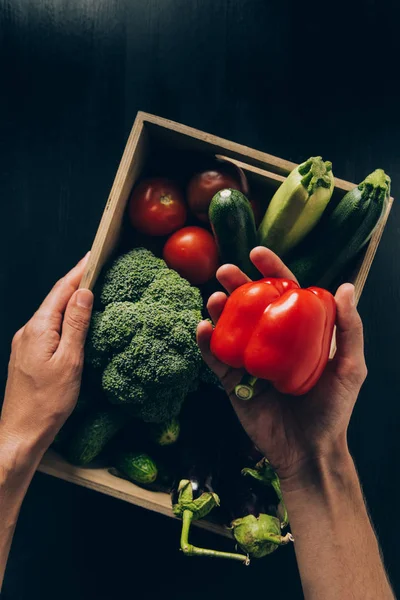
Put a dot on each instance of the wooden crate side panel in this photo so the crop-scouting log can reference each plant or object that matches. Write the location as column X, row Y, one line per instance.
column 102, row 481
column 108, row 232
column 207, row 141
column 362, row 274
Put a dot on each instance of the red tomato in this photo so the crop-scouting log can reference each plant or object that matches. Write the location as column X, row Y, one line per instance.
column 203, row 186
column 157, row 207
column 192, row 252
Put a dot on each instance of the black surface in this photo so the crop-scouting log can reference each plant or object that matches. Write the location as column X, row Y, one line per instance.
column 294, row 79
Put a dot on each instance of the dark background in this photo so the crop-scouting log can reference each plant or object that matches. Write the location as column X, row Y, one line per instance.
column 291, row 78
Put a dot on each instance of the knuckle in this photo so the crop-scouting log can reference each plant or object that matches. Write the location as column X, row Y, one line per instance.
column 34, row 328
column 353, row 371
column 70, row 362
column 16, row 339
column 358, row 324
column 77, row 320
column 75, row 363
column 59, row 284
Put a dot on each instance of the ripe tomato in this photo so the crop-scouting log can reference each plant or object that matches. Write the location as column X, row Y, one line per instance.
column 157, row 207
column 192, row 252
column 203, row 186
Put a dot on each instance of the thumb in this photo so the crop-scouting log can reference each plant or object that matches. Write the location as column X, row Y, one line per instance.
column 349, row 356
column 77, row 319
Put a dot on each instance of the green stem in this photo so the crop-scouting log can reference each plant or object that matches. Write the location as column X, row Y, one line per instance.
column 190, row 550
column 245, row 389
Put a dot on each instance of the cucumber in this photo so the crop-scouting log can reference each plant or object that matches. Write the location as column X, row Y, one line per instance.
column 165, row 434
column 232, row 221
column 137, row 466
column 339, row 238
column 92, row 435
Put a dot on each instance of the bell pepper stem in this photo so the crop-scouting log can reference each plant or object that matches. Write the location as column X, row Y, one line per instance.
column 245, row 389
column 190, row 550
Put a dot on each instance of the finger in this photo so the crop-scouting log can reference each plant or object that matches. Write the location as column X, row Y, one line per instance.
column 204, row 333
column 215, row 305
column 349, row 332
column 55, row 303
column 76, row 321
column 349, row 357
column 269, row 264
column 231, row 277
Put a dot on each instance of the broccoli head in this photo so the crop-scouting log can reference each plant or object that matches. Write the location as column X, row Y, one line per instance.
column 130, row 275
column 144, row 339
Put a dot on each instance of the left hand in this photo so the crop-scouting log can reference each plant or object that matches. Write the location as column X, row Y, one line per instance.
column 45, row 368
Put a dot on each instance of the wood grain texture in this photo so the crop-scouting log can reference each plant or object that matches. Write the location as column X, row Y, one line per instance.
column 102, row 481
column 110, row 225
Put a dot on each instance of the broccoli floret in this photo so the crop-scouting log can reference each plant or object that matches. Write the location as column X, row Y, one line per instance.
column 119, row 388
column 130, row 275
column 170, row 288
column 146, row 346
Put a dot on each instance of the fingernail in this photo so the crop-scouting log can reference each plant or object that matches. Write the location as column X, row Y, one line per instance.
column 84, row 298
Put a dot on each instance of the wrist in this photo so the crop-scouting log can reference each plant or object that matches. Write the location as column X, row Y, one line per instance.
column 334, row 464
column 19, row 455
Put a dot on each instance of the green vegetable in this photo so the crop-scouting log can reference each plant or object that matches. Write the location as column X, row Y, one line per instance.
column 165, row 434
column 343, row 233
column 191, row 507
column 297, row 205
column 265, row 474
column 232, row 222
column 259, row 536
column 144, row 341
column 137, row 466
column 92, row 434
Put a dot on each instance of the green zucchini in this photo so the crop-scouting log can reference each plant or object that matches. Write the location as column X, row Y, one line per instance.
column 232, row 222
column 343, row 233
column 137, row 466
column 92, row 435
column 297, row 206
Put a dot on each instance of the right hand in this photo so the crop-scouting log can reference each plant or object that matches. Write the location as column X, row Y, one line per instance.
column 294, row 432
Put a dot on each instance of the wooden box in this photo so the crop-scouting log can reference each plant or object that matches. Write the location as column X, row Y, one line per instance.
column 151, row 140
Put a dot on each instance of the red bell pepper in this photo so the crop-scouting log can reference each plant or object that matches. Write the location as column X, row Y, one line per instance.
column 277, row 331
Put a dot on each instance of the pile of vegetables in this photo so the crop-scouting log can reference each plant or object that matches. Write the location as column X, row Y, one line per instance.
column 150, row 409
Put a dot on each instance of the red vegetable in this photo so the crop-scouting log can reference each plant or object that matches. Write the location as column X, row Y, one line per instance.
column 276, row 331
column 192, row 252
column 203, row 186
column 157, row 207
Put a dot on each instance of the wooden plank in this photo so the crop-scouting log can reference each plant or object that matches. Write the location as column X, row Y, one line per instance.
column 275, row 178
column 110, row 224
column 102, row 481
column 262, row 174
column 234, row 150
column 362, row 274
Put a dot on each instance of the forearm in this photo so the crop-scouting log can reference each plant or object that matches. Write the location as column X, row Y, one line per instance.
column 336, row 548
column 18, row 462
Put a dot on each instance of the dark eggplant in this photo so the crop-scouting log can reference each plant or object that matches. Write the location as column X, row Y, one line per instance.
column 253, row 509
column 193, row 494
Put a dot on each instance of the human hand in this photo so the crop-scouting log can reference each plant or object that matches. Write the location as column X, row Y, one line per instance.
column 45, row 368
column 294, row 432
